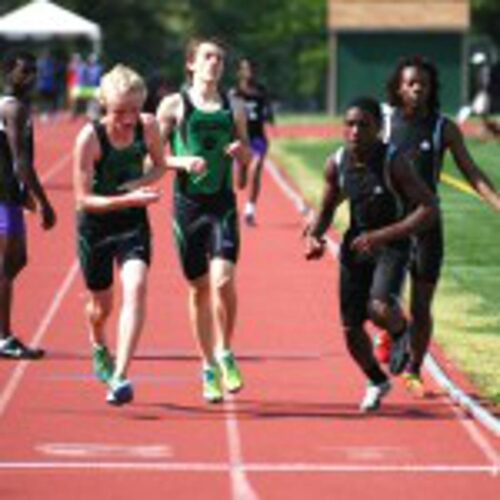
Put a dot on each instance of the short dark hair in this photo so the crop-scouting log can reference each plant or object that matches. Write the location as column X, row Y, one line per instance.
column 368, row 105
column 423, row 64
column 12, row 57
column 193, row 45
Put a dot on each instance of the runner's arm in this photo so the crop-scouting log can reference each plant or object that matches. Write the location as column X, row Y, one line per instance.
column 239, row 149
column 169, row 115
column 16, row 119
column 479, row 181
column 330, row 200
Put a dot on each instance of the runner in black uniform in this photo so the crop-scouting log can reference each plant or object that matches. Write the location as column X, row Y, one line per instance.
column 416, row 127
column 374, row 251
column 259, row 111
column 19, row 188
column 112, row 220
column 207, row 133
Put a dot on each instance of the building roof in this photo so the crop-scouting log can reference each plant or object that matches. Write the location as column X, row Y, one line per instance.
column 398, row 15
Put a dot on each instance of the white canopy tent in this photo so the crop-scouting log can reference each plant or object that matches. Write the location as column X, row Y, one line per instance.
column 42, row 19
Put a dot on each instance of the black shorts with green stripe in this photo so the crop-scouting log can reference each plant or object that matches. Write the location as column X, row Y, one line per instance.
column 205, row 227
column 104, row 239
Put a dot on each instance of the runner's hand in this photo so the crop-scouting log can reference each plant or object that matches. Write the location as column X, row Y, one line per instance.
column 367, row 242
column 239, row 152
column 48, row 215
column 315, row 247
column 195, row 164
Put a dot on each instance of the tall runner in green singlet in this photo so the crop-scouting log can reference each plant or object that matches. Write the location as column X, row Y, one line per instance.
column 207, row 133
column 112, row 220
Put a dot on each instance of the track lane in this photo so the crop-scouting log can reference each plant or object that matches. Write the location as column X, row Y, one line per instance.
column 294, row 429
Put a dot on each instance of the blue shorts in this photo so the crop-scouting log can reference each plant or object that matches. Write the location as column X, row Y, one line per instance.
column 12, row 220
column 258, row 146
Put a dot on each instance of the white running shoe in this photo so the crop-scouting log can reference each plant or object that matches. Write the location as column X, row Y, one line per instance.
column 374, row 395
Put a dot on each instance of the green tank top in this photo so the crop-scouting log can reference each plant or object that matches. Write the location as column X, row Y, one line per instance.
column 205, row 134
column 115, row 167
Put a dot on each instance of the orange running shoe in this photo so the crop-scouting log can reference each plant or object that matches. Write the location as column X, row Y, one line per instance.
column 382, row 343
column 414, row 384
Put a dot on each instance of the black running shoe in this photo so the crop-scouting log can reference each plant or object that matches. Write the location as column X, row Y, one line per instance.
column 13, row 348
column 400, row 352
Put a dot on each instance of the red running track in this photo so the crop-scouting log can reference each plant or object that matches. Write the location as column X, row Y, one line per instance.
column 293, row 432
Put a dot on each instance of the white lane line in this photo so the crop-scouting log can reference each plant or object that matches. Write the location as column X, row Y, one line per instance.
column 240, row 484
column 255, row 467
column 57, row 167
column 462, row 399
column 481, row 414
column 20, row 368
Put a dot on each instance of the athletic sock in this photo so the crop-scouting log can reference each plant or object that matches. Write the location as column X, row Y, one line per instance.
column 249, row 208
column 376, row 375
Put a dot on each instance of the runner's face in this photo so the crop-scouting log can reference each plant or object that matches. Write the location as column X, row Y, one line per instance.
column 23, row 75
column 123, row 110
column 414, row 87
column 245, row 70
column 360, row 129
column 208, row 62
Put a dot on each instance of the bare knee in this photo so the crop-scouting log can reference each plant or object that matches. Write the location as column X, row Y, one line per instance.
column 222, row 277
column 199, row 290
column 385, row 314
column 98, row 311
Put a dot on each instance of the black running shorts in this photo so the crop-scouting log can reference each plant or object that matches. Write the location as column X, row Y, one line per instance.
column 102, row 243
column 365, row 278
column 205, row 227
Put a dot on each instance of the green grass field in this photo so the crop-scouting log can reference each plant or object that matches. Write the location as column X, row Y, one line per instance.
column 467, row 311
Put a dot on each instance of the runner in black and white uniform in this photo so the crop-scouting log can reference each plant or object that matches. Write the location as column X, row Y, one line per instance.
column 374, row 253
column 416, row 127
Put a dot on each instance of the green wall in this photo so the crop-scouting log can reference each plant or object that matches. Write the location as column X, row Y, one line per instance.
column 365, row 61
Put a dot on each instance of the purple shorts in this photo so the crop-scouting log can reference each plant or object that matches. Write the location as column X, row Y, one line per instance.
column 258, row 146
column 11, row 220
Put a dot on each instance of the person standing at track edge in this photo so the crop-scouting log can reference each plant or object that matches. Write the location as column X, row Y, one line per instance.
column 415, row 125
column 112, row 220
column 207, row 133
column 19, row 188
column 374, row 253
column 259, row 111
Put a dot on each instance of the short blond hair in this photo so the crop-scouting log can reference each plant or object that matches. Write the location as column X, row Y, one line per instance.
column 121, row 80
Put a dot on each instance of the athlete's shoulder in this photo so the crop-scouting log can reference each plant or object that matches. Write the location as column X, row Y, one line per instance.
column 86, row 135
column 169, row 106
column 13, row 108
